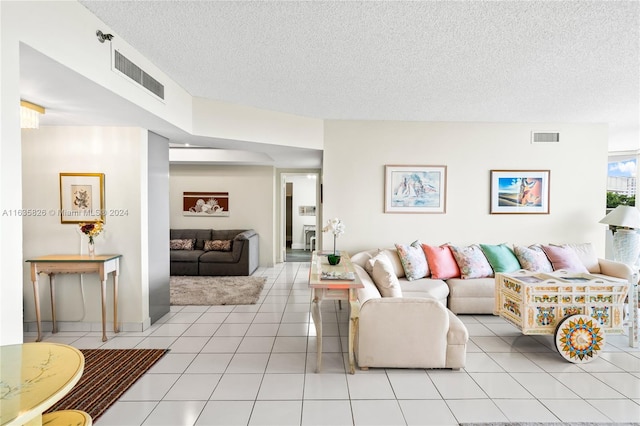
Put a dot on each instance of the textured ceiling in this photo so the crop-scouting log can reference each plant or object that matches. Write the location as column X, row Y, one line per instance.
column 499, row 61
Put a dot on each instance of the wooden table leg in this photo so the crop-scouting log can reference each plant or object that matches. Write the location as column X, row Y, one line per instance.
column 116, row 328
column 316, row 314
column 354, row 317
column 36, row 298
column 52, row 290
column 103, row 294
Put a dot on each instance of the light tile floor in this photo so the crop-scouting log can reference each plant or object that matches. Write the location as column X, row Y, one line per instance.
column 254, row 365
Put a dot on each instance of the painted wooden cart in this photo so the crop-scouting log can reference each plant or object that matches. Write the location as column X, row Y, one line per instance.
column 578, row 309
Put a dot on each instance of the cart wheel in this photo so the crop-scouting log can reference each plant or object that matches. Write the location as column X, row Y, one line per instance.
column 579, row 338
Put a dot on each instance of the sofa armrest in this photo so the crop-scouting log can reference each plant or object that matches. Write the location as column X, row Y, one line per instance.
column 458, row 333
column 616, row 269
column 403, row 332
column 245, row 235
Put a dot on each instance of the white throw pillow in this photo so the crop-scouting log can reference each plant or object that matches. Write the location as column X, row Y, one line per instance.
column 587, row 254
column 385, row 278
column 368, row 265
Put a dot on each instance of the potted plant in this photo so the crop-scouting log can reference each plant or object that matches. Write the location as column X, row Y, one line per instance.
column 336, row 227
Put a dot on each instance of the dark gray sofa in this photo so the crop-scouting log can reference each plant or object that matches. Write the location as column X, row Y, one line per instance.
column 243, row 259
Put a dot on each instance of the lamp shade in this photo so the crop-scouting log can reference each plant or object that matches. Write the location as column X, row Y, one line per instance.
column 625, row 216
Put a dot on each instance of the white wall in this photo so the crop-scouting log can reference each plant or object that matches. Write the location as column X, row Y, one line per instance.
column 157, row 232
column 10, row 187
column 356, row 153
column 251, row 200
column 228, row 121
column 121, row 154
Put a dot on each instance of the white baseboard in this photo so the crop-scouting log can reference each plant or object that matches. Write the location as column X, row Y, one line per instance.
column 77, row 326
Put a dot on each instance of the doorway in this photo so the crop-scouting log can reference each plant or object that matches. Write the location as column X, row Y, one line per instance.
column 299, row 216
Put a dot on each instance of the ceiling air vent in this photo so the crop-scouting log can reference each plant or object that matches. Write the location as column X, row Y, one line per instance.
column 541, row 137
column 135, row 73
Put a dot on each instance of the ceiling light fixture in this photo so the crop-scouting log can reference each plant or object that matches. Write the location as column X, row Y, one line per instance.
column 30, row 115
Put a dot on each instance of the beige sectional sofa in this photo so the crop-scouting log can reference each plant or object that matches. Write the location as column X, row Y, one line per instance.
column 476, row 295
column 420, row 329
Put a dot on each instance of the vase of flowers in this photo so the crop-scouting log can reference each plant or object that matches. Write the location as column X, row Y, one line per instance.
column 336, row 227
column 91, row 230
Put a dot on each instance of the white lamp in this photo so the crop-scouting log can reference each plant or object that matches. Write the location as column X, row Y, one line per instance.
column 626, row 240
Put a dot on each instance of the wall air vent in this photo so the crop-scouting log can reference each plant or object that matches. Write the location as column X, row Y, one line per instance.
column 542, row 137
column 135, row 73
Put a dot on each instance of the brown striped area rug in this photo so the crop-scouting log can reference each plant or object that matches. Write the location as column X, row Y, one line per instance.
column 108, row 373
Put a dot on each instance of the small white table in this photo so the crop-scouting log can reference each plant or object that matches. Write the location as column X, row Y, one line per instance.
column 334, row 290
column 103, row 265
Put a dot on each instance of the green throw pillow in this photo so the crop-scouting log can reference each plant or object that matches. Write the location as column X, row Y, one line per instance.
column 501, row 258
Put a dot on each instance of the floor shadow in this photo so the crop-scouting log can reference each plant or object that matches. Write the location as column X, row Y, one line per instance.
column 298, row 255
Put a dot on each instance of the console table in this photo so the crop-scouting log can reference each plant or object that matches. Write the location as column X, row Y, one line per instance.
column 334, row 289
column 76, row 264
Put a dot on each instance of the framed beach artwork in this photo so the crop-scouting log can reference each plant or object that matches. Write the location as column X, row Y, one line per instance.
column 415, row 189
column 205, row 204
column 520, row 191
column 81, row 197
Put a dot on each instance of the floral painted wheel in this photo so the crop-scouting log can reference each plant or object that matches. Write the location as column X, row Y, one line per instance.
column 579, row 338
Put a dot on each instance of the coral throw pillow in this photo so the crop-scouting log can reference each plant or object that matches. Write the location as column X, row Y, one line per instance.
column 564, row 257
column 501, row 258
column 472, row 262
column 533, row 259
column 413, row 260
column 441, row 262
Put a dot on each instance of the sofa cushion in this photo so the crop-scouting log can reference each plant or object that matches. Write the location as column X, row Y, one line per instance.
column 185, row 255
column 478, row 287
column 533, row 259
column 384, row 277
column 425, row 287
column 181, row 244
column 217, row 245
column 226, row 234
column 564, row 257
column 217, row 257
column 441, row 262
column 471, row 261
column 501, row 257
column 413, row 260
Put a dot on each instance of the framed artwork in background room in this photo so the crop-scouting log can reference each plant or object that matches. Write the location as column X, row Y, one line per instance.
column 205, row 204
column 415, row 189
column 520, row 191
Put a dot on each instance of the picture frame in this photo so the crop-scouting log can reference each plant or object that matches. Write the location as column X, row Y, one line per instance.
column 82, row 197
column 205, row 204
column 415, row 189
column 520, row 191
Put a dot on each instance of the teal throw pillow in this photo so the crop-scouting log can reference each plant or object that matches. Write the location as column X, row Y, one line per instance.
column 501, row 257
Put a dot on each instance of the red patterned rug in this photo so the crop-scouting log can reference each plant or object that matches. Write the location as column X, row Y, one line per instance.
column 108, row 373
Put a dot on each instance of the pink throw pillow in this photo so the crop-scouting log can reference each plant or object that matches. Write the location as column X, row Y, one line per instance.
column 441, row 262
column 564, row 257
